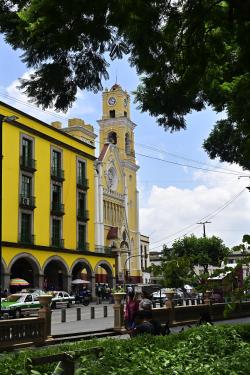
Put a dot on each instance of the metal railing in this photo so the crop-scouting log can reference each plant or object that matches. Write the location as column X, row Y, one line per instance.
column 26, row 238
column 27, row 164
column 82, row 215
column 27, row 202
column 82, row 245
column 82, row 183
column 57, row 174
column 57, row 242
column 57, row 209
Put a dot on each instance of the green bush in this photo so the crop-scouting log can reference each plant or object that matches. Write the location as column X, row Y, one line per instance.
column 205, row 350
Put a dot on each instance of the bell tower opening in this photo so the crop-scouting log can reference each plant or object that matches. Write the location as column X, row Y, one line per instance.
column 112, row 138
column 112, row 113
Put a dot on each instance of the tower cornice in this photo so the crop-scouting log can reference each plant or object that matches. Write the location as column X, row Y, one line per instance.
column 118, row 121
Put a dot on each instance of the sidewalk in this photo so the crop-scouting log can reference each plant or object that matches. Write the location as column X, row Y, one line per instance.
column 85, row 325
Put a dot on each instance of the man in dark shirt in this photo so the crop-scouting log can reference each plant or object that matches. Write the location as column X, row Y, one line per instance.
column 142, row 325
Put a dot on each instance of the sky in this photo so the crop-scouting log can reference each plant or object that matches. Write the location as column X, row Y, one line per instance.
column 176, row 189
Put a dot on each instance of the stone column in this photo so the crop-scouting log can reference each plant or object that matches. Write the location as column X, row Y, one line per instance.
column 170, row 306
column 40, row 281
column 118, row 311
column 207, row 297
column 45, row 313
column 6, row 281
column 93, row 287
column 69, row 283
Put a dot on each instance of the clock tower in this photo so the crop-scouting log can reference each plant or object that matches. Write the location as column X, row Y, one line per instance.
column 117, row 224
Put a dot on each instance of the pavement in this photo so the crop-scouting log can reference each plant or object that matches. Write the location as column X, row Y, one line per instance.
column 100, row 323
column 86, row 324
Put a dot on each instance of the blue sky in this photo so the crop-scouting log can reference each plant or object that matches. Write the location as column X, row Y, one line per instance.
column 171, row 197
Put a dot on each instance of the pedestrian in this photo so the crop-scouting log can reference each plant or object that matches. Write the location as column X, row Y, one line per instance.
column 145, row 303
column 98, row 294
column 142, row 325
column 158, row 330
column 131, row 308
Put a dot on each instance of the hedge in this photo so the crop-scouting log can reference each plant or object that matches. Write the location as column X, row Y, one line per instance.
column 204, row 350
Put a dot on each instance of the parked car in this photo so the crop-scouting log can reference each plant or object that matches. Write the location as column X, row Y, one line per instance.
column 159, row 296
column 61, row 298
column 20, row 304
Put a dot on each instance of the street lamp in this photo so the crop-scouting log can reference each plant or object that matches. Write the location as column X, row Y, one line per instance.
column 2, row 120
column 125, row 263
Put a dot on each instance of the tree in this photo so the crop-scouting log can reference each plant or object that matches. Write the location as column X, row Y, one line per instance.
column 190, row 54
column 179, row 261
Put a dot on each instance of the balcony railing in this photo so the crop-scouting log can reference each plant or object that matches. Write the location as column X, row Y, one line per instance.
column 27, row 164
column 82, row 245
column 57, row 174
column 28, row 203
column 57, row 242
column 82, row 215
column 57, row 209
column 26, row 238
column 104, row 250
column 82, row 183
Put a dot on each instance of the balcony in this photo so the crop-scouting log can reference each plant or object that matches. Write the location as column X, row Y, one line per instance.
column 28, row 203
column 82, row 245
column 27, row 164
column 57, row 242
column 104, row 250
column 57, row 209
column 82, row 215
column 26, row 238
column 57, row 174
column 82, row 183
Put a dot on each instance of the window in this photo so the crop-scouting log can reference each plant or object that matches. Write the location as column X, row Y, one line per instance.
column 112, row 113
column 56, row 161
column 26, row 186
column 56, row 230
column 112, row 138
column 81, row 236
column 81, row 170
column 127, row 144
column 56, row 195
column 26, row 150
column 26, row 228
column 125, row 114
column 81, row 201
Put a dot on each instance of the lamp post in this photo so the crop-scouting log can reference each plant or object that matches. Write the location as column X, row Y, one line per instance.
column 125, row 263
column 2, row 120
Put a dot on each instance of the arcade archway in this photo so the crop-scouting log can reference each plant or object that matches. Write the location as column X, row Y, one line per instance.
column 26, row 267
column 104, row 274
column 55, row 274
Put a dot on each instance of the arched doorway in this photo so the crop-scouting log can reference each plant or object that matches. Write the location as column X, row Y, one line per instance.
column 26, row 267
column 55, row 274
column 104, row 274
column 81, row 269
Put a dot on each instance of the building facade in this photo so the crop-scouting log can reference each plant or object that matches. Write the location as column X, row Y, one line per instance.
column 117, row 203
column 48, row 203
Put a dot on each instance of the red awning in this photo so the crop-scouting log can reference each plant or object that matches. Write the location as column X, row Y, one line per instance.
column 112, row 233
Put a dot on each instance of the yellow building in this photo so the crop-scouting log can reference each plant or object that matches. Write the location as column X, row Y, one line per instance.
column 117, row 207
column 48, row 203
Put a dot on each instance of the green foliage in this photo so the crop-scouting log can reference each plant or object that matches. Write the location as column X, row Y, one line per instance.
column 179, row 261
column 204, row 350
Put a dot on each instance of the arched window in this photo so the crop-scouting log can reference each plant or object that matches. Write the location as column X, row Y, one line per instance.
column 127, row 144
column 112, row 138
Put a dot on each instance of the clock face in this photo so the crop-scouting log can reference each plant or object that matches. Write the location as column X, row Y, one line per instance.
column 125, row 101
column 111, row 101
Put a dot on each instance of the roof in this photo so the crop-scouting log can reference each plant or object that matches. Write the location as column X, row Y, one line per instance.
column 103, row 152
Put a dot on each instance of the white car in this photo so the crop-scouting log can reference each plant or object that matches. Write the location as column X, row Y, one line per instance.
column 159, row 296
column 61, row 298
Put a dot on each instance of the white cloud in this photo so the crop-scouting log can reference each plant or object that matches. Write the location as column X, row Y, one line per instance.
column 169, row 210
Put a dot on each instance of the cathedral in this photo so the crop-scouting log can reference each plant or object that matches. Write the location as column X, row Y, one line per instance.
column 117, row 201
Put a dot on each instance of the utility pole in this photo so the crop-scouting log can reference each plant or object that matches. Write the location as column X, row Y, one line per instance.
column 204, row 226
